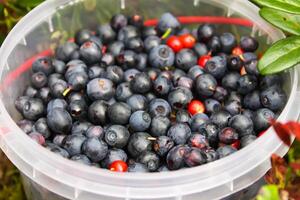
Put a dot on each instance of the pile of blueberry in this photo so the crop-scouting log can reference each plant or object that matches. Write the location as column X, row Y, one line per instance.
column 127, row 97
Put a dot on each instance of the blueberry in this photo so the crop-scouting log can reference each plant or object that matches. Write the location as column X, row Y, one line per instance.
column 33, row 109
column 58, row 88
column 252, row 100
column 248, row 43
column 247, row 139
column 137, row 102
column 216, row 66
column 162, row 85
column 214, row 44
column 41, row 127
column 80, row 127
column 148, row 31
column 159, row 126
column 248, row 113
column 225, row 151
column 176, row 74
column 230, row 80
column 233, row 107
column 126, row 59
column 185, row 82
column 261, row 119
column 273, row 98
column 242, row 124
column 180, row 97
column 38, row 80
column 228, row 42
column 107, row 59
column 95, row 72
column 140, row 121
column 150, row 159
column 37, row 137
column 137, row 167
column 25, row 125
column 113, row 155
column 141, row 83
column 90, row 53
column 44, row 94
column 118, row 21
column 211, row 155
column 100, row 89
column 78, row 109
column 116, row 48
column 270, row 80
column 83, row 159
column 114, row 73
column 95, row 149
column 59, row 66
column 135, row 44
column 205, row 32
column 141, row 61
column 175, row 157
column 151, row 42
column 220, row 118
column 31, row 92
column 206, row 84
column 127, row 33
column 183, row 117
column 198, row 120
column 179, row 133
column 185, row 59
column 235, row 63
column 56, row 103
column 159, row 107
column 119, row 113
column 44, row 65
column 66, row 51
column 138, row 143
column 59, row 121
column 220, row 94
column 97, row 112
column 194, row 157
column 20, row 102
column 166, row 21
column 200, row 49
column 198, row 141
column 212, row 105
column 129, row 74
column 60, row 151
column 73, row 144
column 195, row 71
column 73, row 96
column 251, row 67
column 161, row 56
column 162, row 145
column 82, row 36
column 210, row 131
column 249, row 56
column 94, row 131
column 106, row 33
column 75, row 66
column 247, row 83
column 150, row 96
column 228, row 135
column 123, row 92
column 78, row 81
column 234, row 96
column 58, row 140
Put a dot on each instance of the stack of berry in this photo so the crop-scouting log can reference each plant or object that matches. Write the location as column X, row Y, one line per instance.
column 127, row 97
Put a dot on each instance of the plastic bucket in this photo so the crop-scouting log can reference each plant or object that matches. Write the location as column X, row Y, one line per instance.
column 48, row 176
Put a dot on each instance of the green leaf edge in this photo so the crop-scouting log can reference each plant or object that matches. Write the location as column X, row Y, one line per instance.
column 283, row 6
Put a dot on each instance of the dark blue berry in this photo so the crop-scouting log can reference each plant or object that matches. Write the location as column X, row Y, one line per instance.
column 220, row 118
column 185, row 59
column 159, row 126
column 261, row 119
column 195, row 157
column 73, row 144
column 139, row 143
column 206, row 84
column 159, row 107
column 179, row 133
column 175, row 157
column 242, row 124
column 119, row 113
column 95, row 149
column 161, row 56
column 162, row 145
column 273, row 98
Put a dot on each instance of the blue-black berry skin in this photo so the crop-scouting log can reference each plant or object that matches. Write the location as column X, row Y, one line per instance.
column 273, row 98
column 150, row 160
column 113, row 155
column 261, row 119
column 179, row 133
column 159, row 126
column 242, row 124
column 175, row 157
column 140, row 121
column 95, row 149
column 73, row 144
column 138, row 143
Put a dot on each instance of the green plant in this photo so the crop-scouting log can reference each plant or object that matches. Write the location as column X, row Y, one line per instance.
column 11, row 11
column 284, row 54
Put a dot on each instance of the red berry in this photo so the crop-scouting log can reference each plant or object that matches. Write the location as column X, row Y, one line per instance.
column 237, row 51
column 203, row 60
column 187, row 40
column 236, row 144
column 118, row 166
column 195, row 107
column 174, row 43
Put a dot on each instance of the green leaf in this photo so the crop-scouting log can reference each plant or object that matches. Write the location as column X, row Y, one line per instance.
column 285, row 21
column 282, row 55
column 29, row 3
column 278, row 5
column 294, row 2
column 268, row 192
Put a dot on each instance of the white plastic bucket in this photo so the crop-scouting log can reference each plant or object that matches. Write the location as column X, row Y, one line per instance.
column 48, row 176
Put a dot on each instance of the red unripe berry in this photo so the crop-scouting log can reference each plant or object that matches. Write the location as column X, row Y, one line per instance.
column 237, row 51
column 236, row 144
column 195, row 107
column 203, row 60
column 187, row 40
column 174, row 43
column 118, row 166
